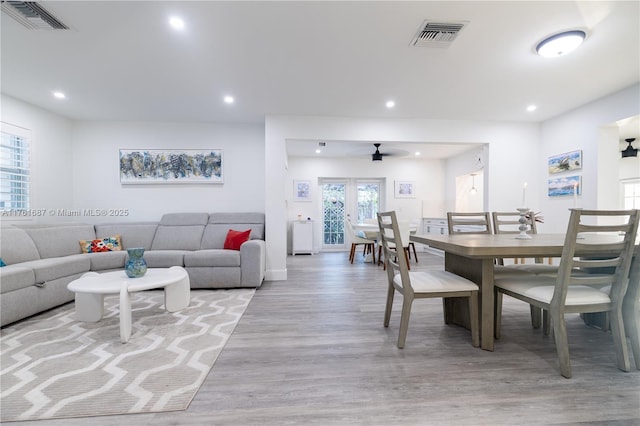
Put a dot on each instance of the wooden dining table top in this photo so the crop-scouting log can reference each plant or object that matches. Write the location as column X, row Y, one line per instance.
column 487, row 246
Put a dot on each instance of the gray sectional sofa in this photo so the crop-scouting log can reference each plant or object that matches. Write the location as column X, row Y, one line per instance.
column 42, row 259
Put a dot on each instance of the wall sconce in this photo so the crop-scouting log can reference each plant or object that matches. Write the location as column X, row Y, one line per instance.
column 629, row 151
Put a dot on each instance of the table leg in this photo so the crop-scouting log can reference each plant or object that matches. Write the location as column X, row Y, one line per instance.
column 480, row 271
column 125, row 314
column 177, row 296
column 89, row 307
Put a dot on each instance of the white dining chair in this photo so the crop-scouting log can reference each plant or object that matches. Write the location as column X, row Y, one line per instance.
column 369, row 245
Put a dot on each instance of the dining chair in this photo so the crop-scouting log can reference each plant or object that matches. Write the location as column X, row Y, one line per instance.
column 508, row 223
column 470, row 223
column 606, row 245
column 371, row 235
column 418, row 285
column 369, row 245
column 405, row 234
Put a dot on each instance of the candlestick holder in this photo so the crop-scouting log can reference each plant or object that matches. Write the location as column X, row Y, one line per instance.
column 523, row 224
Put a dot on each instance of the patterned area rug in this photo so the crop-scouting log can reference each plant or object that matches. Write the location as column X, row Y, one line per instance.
column 53, row 366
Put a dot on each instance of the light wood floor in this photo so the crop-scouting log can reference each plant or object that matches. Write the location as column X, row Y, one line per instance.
column 313, row 351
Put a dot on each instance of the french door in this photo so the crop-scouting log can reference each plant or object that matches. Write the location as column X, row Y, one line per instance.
column 356, row 199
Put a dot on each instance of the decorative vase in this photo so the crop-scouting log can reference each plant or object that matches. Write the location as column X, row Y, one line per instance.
column 136, row 265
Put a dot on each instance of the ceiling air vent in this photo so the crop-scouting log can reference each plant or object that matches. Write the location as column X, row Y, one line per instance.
column 31, row 15
column 437, row 34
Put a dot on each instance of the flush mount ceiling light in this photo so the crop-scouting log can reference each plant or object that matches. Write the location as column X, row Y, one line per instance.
column 176, row 23
column 59, row 95
column 561, row 43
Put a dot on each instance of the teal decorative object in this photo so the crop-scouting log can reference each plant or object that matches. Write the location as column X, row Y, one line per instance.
column 136, row 265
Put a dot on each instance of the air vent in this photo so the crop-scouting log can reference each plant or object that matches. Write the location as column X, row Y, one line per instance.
column 31, row 15
column 437, row 34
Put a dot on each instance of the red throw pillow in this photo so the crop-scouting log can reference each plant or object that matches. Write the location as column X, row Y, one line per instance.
column 235, row 239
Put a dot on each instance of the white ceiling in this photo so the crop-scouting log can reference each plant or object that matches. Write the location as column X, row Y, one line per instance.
column 121, row 60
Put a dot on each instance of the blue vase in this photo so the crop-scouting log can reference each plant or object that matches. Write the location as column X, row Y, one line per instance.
column 136, row 265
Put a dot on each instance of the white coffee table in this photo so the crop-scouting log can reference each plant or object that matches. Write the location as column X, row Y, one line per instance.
column 91, row 288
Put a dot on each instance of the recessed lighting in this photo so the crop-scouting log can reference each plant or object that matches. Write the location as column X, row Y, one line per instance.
column 560, row 44
column 318, row 151
column 531, row 108
column 176, row 23
column 229, row 99
column 59, row 95
column 390, row 104
column 417, row 153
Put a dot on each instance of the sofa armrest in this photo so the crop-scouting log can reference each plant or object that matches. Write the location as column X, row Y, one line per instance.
column 253, row 262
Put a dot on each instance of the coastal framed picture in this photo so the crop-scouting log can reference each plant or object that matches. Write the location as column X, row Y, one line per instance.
column 566, row 162
column 565, row 186
column 153, row 166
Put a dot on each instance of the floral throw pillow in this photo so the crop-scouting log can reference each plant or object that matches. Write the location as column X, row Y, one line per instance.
column 101, row 245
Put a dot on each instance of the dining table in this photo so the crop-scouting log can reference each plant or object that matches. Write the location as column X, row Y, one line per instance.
column 473, row 256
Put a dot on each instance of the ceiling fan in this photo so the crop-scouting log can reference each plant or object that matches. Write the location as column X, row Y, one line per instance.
column 377, row 156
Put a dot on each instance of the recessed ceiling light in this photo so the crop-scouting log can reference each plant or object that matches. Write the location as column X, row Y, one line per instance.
column 59, row 95
column 176, row 23
column 229, row 99
column 560, row 44
column 417, row 153
column 531, row 108
column 390, row 104
column 318, row 151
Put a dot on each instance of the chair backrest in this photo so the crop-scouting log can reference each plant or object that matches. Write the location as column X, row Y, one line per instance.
column 396, row 260
column 605, row 240
column 348, row 228
column 469, row 223
column 508, row 222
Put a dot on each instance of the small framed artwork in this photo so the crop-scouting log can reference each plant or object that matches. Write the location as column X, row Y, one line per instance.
column 302, row 190
column 565, row 162
column 565, row 186
column 405, row 189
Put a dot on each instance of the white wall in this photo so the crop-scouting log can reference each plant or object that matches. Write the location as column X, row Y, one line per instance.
column 584, row 128
column 96, row 174
column 428, row 175
column 51, row 156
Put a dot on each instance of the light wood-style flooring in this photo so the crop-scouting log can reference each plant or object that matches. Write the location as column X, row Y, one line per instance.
column 313, row 351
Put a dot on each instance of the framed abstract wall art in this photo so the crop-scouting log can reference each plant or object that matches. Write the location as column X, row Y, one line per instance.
column 565, row 162
column 302, row 190
column 405, row 189
column 142, row 166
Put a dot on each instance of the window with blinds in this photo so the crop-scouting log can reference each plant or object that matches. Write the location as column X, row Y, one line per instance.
column 14, row 171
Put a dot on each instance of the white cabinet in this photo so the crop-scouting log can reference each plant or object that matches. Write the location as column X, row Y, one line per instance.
column 434, row 226
column 302, row 237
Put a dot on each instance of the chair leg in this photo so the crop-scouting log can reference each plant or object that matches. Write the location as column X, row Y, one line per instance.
column 473, row 319
column 352, row 253
column 498, row 314
column 379, row 254
column 415, row 254
column 404, row 320
column 373, row 253
column 546, row 323
column 562, row 344
column 536, row 314
column 632, row 324
column 619, row 340
column 407, row 257
column 387, row 311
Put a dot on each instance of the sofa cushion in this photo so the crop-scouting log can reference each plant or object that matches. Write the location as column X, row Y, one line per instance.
column 164, row 258
column 212, row 257
column 15, row 277
column 58, row 267
column 178, row 237
column 235, row 239
column 255, row 221
column 60, row 240
column 132, row 234
column 184, row 219
column 17, row 246
column 100, row 245
column 107, row 260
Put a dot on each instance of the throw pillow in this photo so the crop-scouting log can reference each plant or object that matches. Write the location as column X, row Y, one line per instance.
column 101, row 245
column 235, row 239
column 2, row 263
